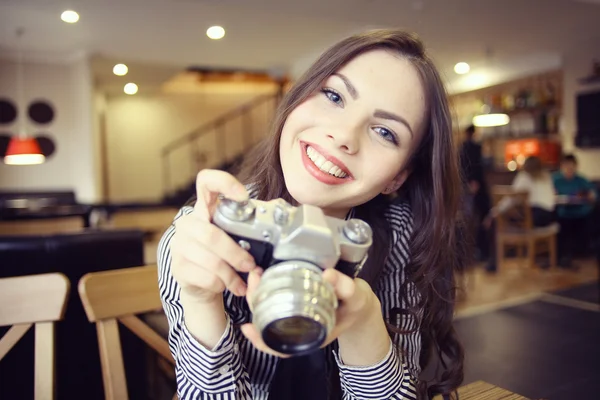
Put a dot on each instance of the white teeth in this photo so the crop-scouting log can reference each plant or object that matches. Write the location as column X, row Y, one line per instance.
column 323, row 164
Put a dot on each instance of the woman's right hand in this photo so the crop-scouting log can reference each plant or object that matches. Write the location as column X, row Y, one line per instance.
column 205, row 260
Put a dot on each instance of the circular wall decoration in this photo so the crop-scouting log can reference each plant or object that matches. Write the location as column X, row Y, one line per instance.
column 4, row 139
column 47, row 145
column 41, row 112
column 8, row 111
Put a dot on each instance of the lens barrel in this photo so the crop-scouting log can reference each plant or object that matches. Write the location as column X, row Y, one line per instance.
column 294, row 309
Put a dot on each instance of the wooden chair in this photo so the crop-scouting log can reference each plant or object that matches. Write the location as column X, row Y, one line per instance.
column 515, row 227
column 38, row 300
column 114, row 296
column 480, row 390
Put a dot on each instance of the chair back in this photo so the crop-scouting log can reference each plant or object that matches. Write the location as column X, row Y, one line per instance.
column 518, row 217
column 34, row 300
column 114, row 296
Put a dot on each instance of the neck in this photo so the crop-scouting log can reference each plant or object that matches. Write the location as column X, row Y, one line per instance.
column 341, row 213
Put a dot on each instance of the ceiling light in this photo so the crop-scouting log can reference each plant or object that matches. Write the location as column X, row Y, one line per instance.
column 120, row 69
column 215, row 32
column 462, row 68
column 488, row 120
column 130, row 88
column 69, row 16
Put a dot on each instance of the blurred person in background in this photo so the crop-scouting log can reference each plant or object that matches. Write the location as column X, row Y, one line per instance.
column 536, row 181
column 478, row 198
column 576, row 197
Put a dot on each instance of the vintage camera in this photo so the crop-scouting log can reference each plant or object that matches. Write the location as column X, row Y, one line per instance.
column 293, row 308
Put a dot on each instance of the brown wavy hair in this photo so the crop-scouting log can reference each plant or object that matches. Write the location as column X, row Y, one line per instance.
column 433, row 191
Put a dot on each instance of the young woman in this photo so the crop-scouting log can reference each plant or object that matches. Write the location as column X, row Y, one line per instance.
column 366, row 132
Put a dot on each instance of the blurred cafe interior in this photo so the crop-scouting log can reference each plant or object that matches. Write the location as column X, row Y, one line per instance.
column 109, row 109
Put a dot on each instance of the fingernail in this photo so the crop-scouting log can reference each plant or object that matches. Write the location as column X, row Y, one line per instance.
column 248, row 265
column 258, row 271
column 239, row 191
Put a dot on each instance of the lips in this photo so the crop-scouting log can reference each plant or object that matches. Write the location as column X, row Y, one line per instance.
column 336, row 171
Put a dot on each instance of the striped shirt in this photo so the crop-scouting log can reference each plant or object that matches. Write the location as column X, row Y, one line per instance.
column 235, row 370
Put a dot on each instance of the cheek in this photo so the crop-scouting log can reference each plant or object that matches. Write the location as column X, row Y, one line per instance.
column 380, row 174
column 307, row 115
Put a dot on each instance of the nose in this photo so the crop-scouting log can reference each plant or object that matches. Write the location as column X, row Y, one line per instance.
column 346, row 138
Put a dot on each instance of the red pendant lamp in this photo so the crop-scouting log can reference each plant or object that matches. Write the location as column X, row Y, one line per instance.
column 22, row 150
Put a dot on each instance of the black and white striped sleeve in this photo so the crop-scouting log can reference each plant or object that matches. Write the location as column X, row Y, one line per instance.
column 394, row 377
column 201, row 373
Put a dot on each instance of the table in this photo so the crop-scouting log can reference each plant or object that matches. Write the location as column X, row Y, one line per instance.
column 565, row 199
column 481, row 390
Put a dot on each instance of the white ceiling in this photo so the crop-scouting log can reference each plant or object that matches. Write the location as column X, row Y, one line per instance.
column 497, row 37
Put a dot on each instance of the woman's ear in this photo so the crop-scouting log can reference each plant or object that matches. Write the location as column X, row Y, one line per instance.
column 397, row 182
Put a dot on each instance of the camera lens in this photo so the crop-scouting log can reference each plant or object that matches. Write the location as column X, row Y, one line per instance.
column 294, row 335
column 294, row 309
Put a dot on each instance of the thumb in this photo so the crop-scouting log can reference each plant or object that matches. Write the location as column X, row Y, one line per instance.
column 343, row 286
column 254, row 278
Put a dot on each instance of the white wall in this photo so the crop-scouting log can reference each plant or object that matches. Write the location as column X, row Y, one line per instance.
column 577, row 65
column 67, row 86
column 138, row 127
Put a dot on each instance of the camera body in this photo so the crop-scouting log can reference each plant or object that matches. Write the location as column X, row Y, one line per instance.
column 275, row 231
column 293, row 307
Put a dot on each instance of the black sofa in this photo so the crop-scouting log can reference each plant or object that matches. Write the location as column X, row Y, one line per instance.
column 78, row 371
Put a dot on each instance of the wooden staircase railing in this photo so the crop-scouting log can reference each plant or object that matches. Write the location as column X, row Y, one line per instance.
column 217, row 142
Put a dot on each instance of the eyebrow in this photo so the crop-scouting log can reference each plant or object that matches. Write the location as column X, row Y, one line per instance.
column 378, row 113
column 388, row 115
column 349, row 86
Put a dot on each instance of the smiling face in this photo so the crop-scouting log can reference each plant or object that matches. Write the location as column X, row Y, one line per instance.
column 352, row 139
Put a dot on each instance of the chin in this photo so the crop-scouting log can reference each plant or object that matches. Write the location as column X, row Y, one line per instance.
column 304, row 191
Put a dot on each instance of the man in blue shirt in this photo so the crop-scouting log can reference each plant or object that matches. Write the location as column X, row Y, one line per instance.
column 577, row 198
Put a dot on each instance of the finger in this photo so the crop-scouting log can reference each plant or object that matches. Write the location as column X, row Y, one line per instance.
column 249, row 330
column 253, row 282
column 343, row 285
column 194, row 280
column 220, row 243
column 215, row 240
column 207, row 263
column 211, row 182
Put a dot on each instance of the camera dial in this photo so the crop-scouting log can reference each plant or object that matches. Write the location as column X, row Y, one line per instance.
column 357, row 231
column 239, row 211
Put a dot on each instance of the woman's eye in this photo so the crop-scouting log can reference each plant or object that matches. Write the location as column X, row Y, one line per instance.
column 386, row 134
column 333, row 96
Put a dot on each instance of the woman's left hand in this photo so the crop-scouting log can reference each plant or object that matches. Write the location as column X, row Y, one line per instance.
column 357, row 304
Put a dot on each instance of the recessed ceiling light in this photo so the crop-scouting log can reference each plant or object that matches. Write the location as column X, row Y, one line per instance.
column 462, row 68
column 69, row 16
column 215, row 32
column 120, row 69
column 130, row 88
